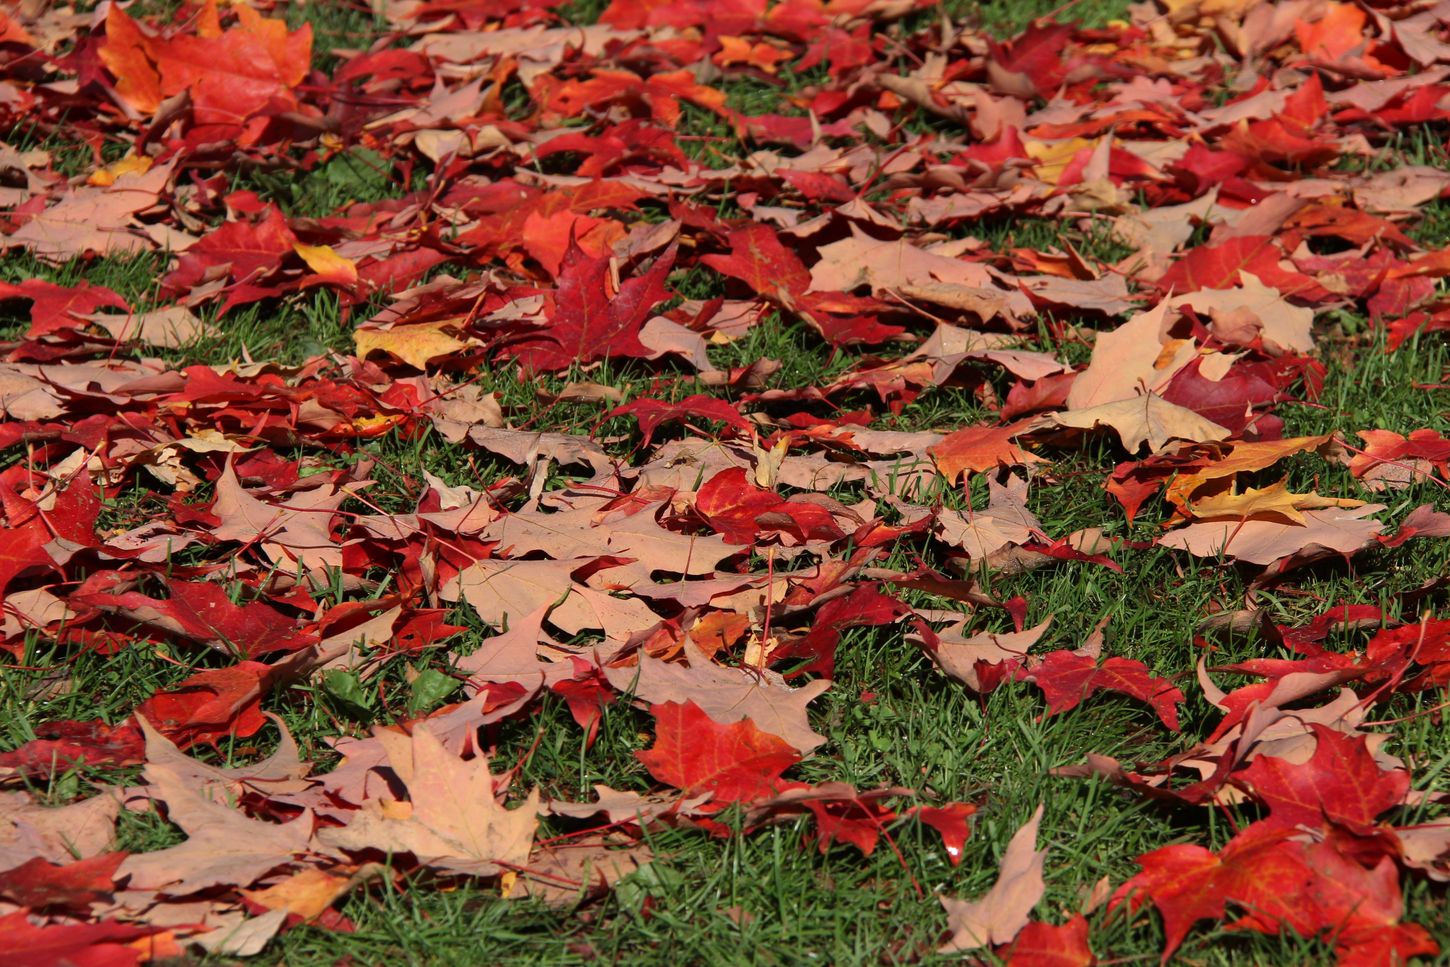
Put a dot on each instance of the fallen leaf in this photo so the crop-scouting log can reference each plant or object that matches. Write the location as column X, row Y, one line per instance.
column 1146, row 419
column 999, row 914
column 1266, row 541
column 451, row 820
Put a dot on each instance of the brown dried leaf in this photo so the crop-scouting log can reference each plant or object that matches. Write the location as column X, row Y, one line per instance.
column 997, row 916
column 451, row 819
column 726, row 694
column 1339, row 530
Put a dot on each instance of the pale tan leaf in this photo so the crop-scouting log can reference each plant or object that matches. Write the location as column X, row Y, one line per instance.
column 1338, row 530
column 57, row 834
column 1144, row 419
column 451, row 819
column 726, row 694
column 223, row 847
column 1130, row 361
column 996, row 917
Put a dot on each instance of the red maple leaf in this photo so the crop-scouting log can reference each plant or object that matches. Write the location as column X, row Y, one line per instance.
column 230, row 74
column 211, row 705
column 1043, row 945
column 1284, row 881
column 245, row 252
column 865, row 606
column 590, row 321
column 1066, row 678
column 977, row 449
column 858, row 822
column 60, row 745
column 1341, row 783
column 203, row 612
column 651, row 413
column 741, row 511
column 950, row 821
column 54, row 308
column 586, row 694
column 1218, row 267
column 40, row 885
column 759, row 260
column 103, row 943
column 696, row 754
column 774, row 272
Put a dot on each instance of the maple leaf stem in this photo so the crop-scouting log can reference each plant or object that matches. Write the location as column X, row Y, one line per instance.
column 539, row 874
column 769, row 595
column 524, row 759
column 588, row 831
column 1414, row 472
column 1399, row 674
column 896, row 851
column 1411, row 717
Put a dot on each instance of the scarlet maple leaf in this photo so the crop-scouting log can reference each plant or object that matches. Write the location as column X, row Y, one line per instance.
column 231, row 75
column 977, row 449
column 211, row 705
column 590, row 322
column 1043, row 945
column 203, row 612
column 103, row 943
column 950, row 821
column 1391, row 460
column 865, row 606
column 651, row 413
column 741, row 511
column 39, row 884
column 696, row 754
column 60, row 745
column 759, row 260
column 1066, row 678
column 774, row 272
column 731, row 504
column 1218, row 267
column 858, row 821
column 1285, row 882
column 1342, row 783
column 55, row 308
column 585, row 694
column 249, row 252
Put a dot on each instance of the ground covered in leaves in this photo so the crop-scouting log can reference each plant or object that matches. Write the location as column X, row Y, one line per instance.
column 708, row 482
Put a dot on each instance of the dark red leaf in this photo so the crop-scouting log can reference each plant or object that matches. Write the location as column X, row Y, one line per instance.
column 40, row 885
column 1066, row 678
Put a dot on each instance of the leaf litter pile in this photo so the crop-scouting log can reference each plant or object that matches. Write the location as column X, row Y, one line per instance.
column 527, row 457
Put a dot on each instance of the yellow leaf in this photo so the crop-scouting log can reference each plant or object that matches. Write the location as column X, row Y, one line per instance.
column 1246, row 457
column 327, row 263
column 414, row 345
column 1275, row 500
column 1053, row 157
column 306, row 894
column 132, row 164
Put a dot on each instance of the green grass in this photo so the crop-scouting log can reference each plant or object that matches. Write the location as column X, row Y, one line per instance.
column 918, row 731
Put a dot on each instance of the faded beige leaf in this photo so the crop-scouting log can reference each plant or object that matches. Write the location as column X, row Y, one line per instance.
column 224, row 847
column 451, row 819
column 1275, row 500
column 996, row 917
column 1339, row 530
column 1283, row 326
column 1130, row 361
column 57, row 834
column 726, row 694
column 1143, row 419
column 958, row 656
